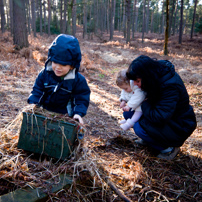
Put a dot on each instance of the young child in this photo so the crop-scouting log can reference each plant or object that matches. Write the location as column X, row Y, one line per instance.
column 131, row 98
column 59, row 87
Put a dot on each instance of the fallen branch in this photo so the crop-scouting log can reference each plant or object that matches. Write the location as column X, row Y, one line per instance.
column 117, row 191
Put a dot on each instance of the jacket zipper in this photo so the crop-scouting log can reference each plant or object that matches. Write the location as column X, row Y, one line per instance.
column 55, row 89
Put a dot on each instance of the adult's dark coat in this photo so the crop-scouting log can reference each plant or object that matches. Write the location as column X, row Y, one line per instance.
column 171, row 120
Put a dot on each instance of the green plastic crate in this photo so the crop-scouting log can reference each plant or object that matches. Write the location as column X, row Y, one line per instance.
column 43, row 135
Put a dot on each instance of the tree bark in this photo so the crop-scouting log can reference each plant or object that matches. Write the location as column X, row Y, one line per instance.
column 84, row 19
column 171, row 17
column 41, row 18
column 162, row 15
column 49, row 16
column 143, row 21
column 44, row 18
column 33, row 6
column 147, row 20
column 3, row 19
column 128, row 12
column 166, row 30
column 181, row 22
column 11, row 15
column 176, row 9
column 193, row 21
column 65, row 17
column 112, row 13
column 61, row 18
column 20, row 37
column 74, row 17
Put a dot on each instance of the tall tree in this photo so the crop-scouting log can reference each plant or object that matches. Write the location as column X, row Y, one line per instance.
column 147, row 20
column 49, row 16
column 44, row 18
column 61, row 15
column 28, row 16
column 136, row 16
column 73, row 17
column 128, row 12
column 112, row 15
column 181, row 22
column 84, row 19
column 20, row 37
column 133, row 18
column 33, row 5
column 124, row 19
column 167, row 28
column 11, row 15
column 40, row 6
column 162, row 25
column 193, row 21
column 3, row 20
column 143, row 21
column 171, row 17
column 176, row 9
column 65, row 24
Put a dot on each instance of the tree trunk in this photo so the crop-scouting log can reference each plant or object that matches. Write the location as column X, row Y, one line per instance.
column 193, row 21
column 49, row 16
column 171, row 17
column 112, row 11
column 166, row 31
column 65, row 17
column 176, row 9
column 41, row 18
column 181, row 22
column 61, row 18
column 143, row 21
column 162, row 15
column 44, row 13
column 124, row 19
column 128, row 11
column 84, row 19
column 74, row 17
column 20, row 38
column 152, row 16
column 3, row 20
column 147, row 20
column 33, row 17
column 133, row 18
column 136, row 17
column 11, row 15
column 28, row 16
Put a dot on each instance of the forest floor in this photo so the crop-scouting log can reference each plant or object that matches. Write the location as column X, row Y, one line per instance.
column 110, row 152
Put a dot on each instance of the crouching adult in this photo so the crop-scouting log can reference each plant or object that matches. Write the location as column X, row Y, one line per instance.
column 168, row 119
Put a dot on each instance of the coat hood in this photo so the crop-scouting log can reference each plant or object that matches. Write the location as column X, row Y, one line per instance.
column 166, row 70
column 65, row 50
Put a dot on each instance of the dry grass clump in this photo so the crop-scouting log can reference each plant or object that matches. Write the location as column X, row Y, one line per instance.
column 19, row 169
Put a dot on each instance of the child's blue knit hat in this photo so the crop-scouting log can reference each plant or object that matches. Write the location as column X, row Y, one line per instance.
column 65, row 50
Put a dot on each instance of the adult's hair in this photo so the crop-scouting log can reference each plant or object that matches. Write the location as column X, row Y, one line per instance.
column 146, row 69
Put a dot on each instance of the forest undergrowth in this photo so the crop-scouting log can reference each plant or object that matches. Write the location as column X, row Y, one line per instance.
column 108, row 156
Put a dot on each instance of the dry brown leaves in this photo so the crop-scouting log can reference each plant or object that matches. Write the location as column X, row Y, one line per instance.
column 107, row 151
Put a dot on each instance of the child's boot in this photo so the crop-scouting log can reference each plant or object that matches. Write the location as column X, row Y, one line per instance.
column 127, row 125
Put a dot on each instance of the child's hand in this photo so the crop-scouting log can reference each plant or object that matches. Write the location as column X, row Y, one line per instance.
column 126, row 108
column 123, row 104
column 78, row 117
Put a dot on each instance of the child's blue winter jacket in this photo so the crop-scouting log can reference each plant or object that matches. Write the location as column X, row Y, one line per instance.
column 69, row 94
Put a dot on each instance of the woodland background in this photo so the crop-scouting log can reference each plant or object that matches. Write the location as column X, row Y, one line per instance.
column 111, row 34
